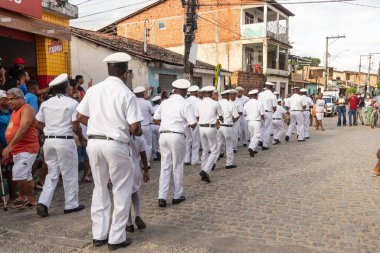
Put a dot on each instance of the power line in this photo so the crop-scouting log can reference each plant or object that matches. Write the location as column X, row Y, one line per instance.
column 278, row 3
column 364, row 5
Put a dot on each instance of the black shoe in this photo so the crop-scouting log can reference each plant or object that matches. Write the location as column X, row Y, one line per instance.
column 140, row 224
column 77, row 209
column 177, row 201
column 260, row 144
column 158, row 156
column 287, row 138
column 244, row 145
column 205, row 176
column 119, row 245
column 307, row 138
column 155, row 159
column 235, row 151
column 213, row 167
column 264, row 148
column 42, row 210
column 231, row 167
column 251, row 152
column 187, row 163
column 301, row 140
column 130, row 229
column 221, row 155
column 162, row 203
column 276, row 142
column 98, row 243
column 255, row 152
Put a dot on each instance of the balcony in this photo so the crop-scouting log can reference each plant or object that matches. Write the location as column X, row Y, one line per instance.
column 277, row 72
column 61, row 8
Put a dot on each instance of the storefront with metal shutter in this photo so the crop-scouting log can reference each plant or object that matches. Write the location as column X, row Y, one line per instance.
column 165, row 82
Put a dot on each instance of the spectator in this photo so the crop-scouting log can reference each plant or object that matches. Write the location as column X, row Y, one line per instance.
column 367, row 109
column 359, row 112
column 31, row 96
column 320, row 111
column 79, row 80
column 2, row 73
column 22, row 78
column 376, row 170
column 19, row 64
column 21, row 136
column 353, row 101
column 341, row 103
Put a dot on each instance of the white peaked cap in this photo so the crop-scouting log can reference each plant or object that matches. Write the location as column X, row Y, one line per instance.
column 303, row 90
column 117, row 58
column 253, row 92
column 156, row 98
column 181, row 84
column 239, row 88
column 294, row 88
column 139, row 89
column 59, row 80
column 279, row 100
column 208, row 88
column 269, row 84
column 193, row 88
column 276, row 93
column 226, row 92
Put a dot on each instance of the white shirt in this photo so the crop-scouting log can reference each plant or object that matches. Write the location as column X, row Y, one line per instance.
column 229, row 111
column 208, row 111
column 58, row 114
column 238, row 105
column 253, row 110
column 146, row 110
column 296, row 102
column 268, row 100
column 309, row 103
column 320, row 106
column 279, row 113
column 193, row 101
column 175, row 114
column 243, row 99
column 111, row 107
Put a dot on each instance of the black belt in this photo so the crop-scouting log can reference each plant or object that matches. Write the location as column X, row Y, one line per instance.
column 100, row 137
column 226, row 125
column 277, row 119
column 171, row 132
column 207, row 125
column 296, row 111
column 59, row 137
column 268, row 111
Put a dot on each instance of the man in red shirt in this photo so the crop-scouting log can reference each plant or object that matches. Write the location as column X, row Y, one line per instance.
column 353, row 101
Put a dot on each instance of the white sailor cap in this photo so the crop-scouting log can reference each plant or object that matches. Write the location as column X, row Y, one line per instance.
column 253, row 92
column 59, row 80
column 226, row 92
column 269, row 84
column 276, row 93
column 303, row 90
column 279, row 100
column 208, row 88
column 156, row 98
column 181, row 84
column 139, row 89
column 295, row 88
column 117, row 58
column 193, row 88
column 3, row 94
column 238, row 88
column 200, row 91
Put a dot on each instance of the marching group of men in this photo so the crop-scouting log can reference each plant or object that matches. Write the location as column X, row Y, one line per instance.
column 124, row 129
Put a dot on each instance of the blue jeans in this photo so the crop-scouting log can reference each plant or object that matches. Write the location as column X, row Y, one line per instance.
column 341, row 112
column 352, row 117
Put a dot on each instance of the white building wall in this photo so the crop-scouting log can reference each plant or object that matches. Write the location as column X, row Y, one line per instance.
column 278, row 80
column 87, row 60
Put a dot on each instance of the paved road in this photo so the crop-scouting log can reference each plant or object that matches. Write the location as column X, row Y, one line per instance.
column 316, row 196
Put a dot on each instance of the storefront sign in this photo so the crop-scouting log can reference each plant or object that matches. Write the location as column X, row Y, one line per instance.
column 28, row 7
column 55, row 47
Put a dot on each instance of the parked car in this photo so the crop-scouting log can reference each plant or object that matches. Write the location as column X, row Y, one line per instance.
column 331, row 106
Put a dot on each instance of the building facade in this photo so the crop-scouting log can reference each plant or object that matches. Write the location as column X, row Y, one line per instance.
column 38, row 32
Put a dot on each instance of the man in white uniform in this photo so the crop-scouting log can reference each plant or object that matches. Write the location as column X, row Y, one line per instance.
column 174, row 115
column 192, row 135
column 268, row 100
column 208, row 111
column 278, row 125
column 254, row 113
column 155, row 129
column 243, row 122
column 297, row 106
column 147, row 111
column 239, row 108
column 309, row 104
column 57, row 119
column 111, row 112
column 225, row 132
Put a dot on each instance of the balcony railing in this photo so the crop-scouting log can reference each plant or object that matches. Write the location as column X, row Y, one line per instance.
column 273, row 30
column 277, row 72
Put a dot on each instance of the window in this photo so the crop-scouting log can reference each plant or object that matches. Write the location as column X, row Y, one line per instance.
column 249, row 18
column 260, row 20
column 197, row 80
column 161, row 25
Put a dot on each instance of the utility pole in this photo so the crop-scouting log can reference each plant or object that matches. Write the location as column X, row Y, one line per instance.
column 189, row 30
column 327, row 56
column 146, row 35
column 368, row 81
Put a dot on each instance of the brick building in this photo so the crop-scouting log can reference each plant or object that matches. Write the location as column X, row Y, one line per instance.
column 239, row 34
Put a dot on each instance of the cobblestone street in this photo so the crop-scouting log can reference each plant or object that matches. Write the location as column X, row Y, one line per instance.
column 317, row 196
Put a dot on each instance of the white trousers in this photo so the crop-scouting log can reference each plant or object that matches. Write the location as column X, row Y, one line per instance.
column 147, row 133
column 297, row 118
column 209, row 142
column 173, row 147
column 192, row 145
column 254, row 128
column 306, row 115
column 266, row 128
column 61, row 157
column 278, row 129
column 225, row 137
column 235, row 138
column 110, row 159
column 243, row 129
column 155, row 129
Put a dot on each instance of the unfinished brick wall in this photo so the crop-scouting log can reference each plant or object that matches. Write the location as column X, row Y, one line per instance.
column 249, row 81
